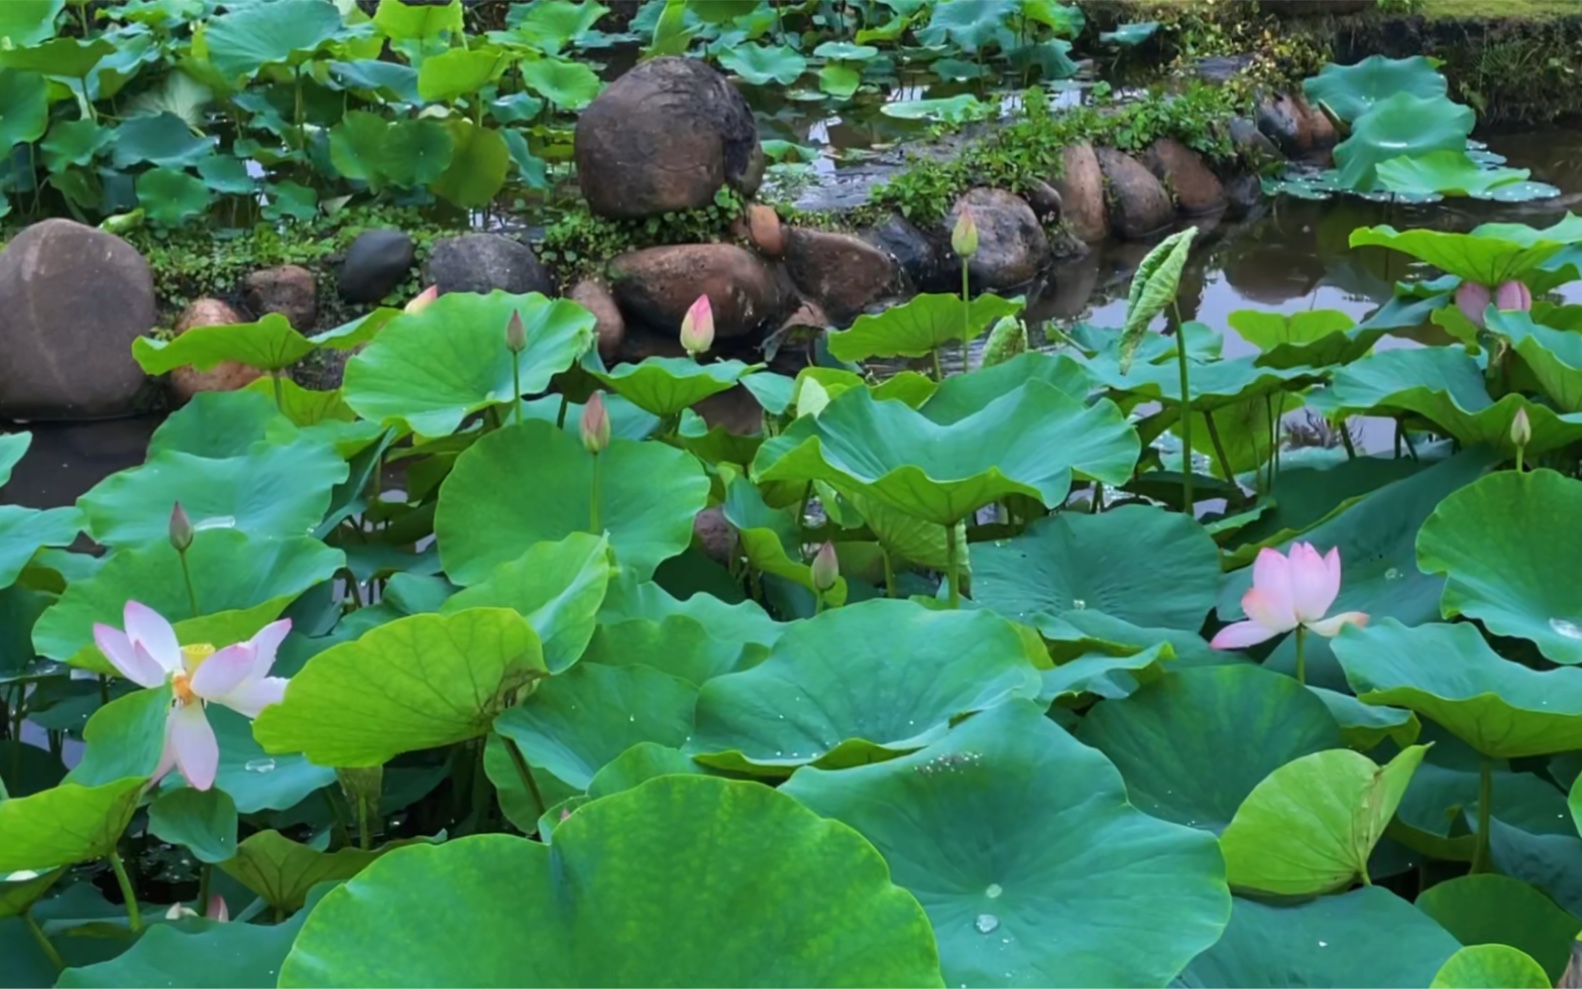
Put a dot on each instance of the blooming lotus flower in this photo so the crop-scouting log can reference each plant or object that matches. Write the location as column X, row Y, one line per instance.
column 1288, row 592
column 422, row 300
column 964, row 236
column 237, row 677
column 697, row 327
column 1473, row 299
column 595, row 424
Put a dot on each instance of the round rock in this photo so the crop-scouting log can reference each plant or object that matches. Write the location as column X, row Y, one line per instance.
column 1197, row 190
column 484, row 262
column 665, row 137
column 289, row 290
column 1012, row 246
column 1081, row 188
column 609, row 326
column 655, row 286
column 376, row 263
column 918, row 257
column 1139, row 206
column 844, row 274
column 72, row 300
column 186, row 382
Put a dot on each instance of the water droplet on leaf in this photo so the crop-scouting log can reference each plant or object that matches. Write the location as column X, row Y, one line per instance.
column 993, row 891
column 986, row 923
column 1566, row 628
column 259, row 765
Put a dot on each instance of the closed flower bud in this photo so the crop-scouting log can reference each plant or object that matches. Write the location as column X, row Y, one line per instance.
column 1513, row 295
column 515, row 334
column 180, row 528
column 826, row 567
column 595, row 424
column 964, row 238
column 422, row 300
column 1521, row 428
column 697, row 327
column 1473, row 299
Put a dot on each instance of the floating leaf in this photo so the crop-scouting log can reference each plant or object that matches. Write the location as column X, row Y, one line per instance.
column 919, row 326
column 1349, row 91
column 1451, row 173
column 759, row 65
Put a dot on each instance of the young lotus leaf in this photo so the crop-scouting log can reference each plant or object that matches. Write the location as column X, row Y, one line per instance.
column 235, row 954
column 953, row 109
column 1400, row 124
column 432, row 369
column 24, row 531
column 1031, row 441
column 402, row 22
column 1369, row 936
column 558, row 587
column 1140, row 564
column 1154, row 286
column 919, row 326
column 282, row 871
column 1194, row 743
column 664, row 386
column 1453, row 173
column 1500, row 541
column 124, row 738
column 1071, row 856
column 269, row 345
column 832, row 694
column 839, row 81
column 1502, row 709
column 752, row 889
column 1495, row 909
column 67, row 824
column 1310, row 826
column 202, row 820
column 415, row 683
column 1490, row 966
column 576, row 722
column 1311, row 338
column 770, row 540
column 534, row 483
column 759, row 65
column 247, row 39
column 1349, row 91
column 960, row 395
column 1490, row 255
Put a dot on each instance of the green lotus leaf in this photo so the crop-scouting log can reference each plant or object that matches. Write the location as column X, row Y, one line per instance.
column 269, row 345
column 1194, row 743
column 1433, row 818
column 28, row 22
column 1400, row 124
column 1493, row 909
column 1352, row 90
column 676, row 644
column 1311, row 338
column 960, row 395
column 256, row 780
column 242, row 584
column 905, row 538
column 1446, row 173
column 1499, row 541
column 1031, row 441
column 24, row 531
column 391, row 80
column 1367, row 937
column 67, row 824
column 1551, row 357
column 1213, row 385
column 627, row 421
column 415, row 683
column 283, row 871
column 1364, row 726
column 233, row 955
column 401, row 22
column 744, row 624
column 271, row 491
column 558, row 587
column 770, row 540
column 459, row 72
column 567, row 84
column 1140, row 564
column 431, row 370
column 1154, row 287
column 921, row 325
column 553, row 24
column 1491, row 254
column 17, row 895
column 576, row 722
column 124, row 738
column 203, row 821
column 13, row 447
column 953, row 109
column 1488, row 966
column 479, row 161
column 171, row 197
column 247, row 39
column 73, row 142
column 24, row 106
column 1311, row 824
column 1129, row 35
column 759, row 65
column 839, row 81
column 752, row 889
column 664, row 386
column 416, row 152
column 1102, row 674
column 639, row 764
column 164, row 139
column 1072, row 857
column 1502, row 709
column 831, row 693
column 533, row 483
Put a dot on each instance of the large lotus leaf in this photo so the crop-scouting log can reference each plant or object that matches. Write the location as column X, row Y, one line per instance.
column 1311, row 824
column 67, row 824
column 404, row 22
column 1367, row 937
column 534, row 483
column 759, row 65
column 576, row 722
column 1502, row 709
column 960, row 395
column 1007, row 829
column 283, row 871
column 415, row 683
column 1364, row 726
column 1453, row 173
column 1030, row 441
column 479, row 160
column 1490, row 254
column 1310, row 338
column 750, row 889
column 247, row 39
column 1500, row 541
column 557, row 587
column 1490, row 966
column 459, row 72
column 217, row 424
column 769, row 538
column 665, row 386
column 919, row 326
column 568, row 84
column 1400, row 124
column 1194, row 743
column 676, row 644
column 256, row 780
column 1551, row 357
column 1141, row 564
column 1212, row 385
column 1154, row 286
column 23, row 531
column 1538, row 852
column 24, row 106
column 433, row 369
column 202, row 821
column 270, row 491
column 242, row 584
column 269, row 345
column 860, row 684
column 1349, row 91
column 1495, row 909
column 233, row 955
column 164, row 139
column 28, row 22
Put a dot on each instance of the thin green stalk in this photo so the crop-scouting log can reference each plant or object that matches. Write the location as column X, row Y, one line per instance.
column 280, row 400
column 516, row 391
column 342, row 828
column 481, row 785
column 1187, row 504
column 560, row 417
column 939, row 372
column 525, row 773
column 801, row 509
column 1519, row 451
column 889, row 573
column 302, row 124
column 952, row 565
column 134, row 916
column 186, row 575
column 1480, row 851
column 204, row 871
column 1301, row 654
column 1410, row 446
column 966, row 321
column 44, row 942
column 104, row 689
column 593, row 499
column 1345, row 439
column 1098, row 498
column 818, row 603
column 1219, row 448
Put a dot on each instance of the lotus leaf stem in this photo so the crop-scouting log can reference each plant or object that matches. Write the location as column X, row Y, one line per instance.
column 1480, row 851
column 1219, row 447
column 594, row 495
column 966, row 321
column 1301, row 654
column 44, row 942
column 204, row 872
column 516, row 391
column 1098, row 498
column 1519, row 452
column 1411, row 447
column 525, row 773
column 1187, row 503
column 186, row 575
column 889, row 573
column 134, row 916
column 939, row 372
column 560, row 417
column 280, row 401
column 952, row 565
column 1345, row 439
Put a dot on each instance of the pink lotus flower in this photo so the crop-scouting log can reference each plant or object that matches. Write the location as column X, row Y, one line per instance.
column 1473, row 299
column 826, row 567
column 697, row 327
column 237, row 677
column 595, row 424
column 1288, row 592
column 1513, row 295
column 422, row 300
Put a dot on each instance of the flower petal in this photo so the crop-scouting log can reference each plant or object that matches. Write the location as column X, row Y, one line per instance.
column 224, row 671
column 1271, row 577
column 1314, row 582
column 1241, row 635
column 217, row 909
column 1273, row 614
column 133, row 663
column 266, row 643
column 197, row 750
column 167, row 758
column 146, row 626
column 254, row 694
column 1473, row 301
column 1330, row 627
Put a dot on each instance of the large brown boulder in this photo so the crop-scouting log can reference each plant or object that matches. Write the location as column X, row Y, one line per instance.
column 289, row 290
column 1081, row 188
column 665, row 137
column 1197, row 190
column 186, row 382
column 1012, row 246
column 1139, row 206
column 844, row 274
column 72, row 300
column 656, row 285
column 609, row 327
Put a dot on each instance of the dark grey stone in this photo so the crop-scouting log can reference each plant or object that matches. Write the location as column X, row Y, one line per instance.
column 375, row 264
column 484, row 262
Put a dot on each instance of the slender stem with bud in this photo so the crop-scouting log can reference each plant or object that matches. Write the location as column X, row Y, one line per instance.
column 1187, row 502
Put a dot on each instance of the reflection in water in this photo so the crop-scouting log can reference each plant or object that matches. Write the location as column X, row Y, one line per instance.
column 67, row 458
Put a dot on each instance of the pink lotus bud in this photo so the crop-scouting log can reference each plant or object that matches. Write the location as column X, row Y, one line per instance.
column 1513, row 295
column 595, row 424
column 964, row 238
column 217, row 909
column 422, row 300
column 826, row 567
column 180, row 528
column 1473, row 300
column 515, row 334
column 565, row 813
column 1521, row 428
column 697, row 327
